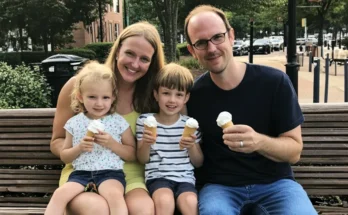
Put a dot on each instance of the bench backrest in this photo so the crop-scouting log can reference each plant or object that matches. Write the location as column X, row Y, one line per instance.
column 26, row 161
column 25, row 137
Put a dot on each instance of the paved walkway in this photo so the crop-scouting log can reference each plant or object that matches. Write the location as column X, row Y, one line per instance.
column 305, row 78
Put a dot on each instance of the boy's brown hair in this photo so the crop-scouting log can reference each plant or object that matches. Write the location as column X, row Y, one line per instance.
column 174, row 76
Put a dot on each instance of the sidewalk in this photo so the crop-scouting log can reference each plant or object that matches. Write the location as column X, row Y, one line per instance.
column 305, row 78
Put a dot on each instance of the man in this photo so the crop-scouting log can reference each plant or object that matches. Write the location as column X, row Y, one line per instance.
column 248, row 163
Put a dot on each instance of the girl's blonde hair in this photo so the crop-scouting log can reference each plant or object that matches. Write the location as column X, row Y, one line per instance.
column 92, row 72
column 143, row 100
column 174, row 76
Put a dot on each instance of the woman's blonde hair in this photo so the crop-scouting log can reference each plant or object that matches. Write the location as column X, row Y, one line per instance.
column 143, row 100
column 92, row 72
column 174, row 76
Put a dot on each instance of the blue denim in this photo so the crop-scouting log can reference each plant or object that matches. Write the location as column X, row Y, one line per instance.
column 97, row 177
column 285, row 197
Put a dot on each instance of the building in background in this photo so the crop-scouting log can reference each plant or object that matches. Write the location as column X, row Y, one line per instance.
column 112, row 26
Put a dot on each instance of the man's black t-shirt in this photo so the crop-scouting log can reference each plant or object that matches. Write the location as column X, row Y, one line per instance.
column 266, row 101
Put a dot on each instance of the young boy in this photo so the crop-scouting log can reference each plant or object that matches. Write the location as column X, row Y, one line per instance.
column 168, row 156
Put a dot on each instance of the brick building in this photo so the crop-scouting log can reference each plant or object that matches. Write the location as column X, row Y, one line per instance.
column 112, row 26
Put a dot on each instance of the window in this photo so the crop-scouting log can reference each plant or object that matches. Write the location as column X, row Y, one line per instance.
column 116, row 30
column 116, row 6
column 110, row 32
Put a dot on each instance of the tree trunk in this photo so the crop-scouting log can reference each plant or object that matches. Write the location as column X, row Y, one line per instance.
column 168, row 15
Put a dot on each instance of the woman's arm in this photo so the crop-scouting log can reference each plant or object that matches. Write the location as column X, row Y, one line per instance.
column 63, row 113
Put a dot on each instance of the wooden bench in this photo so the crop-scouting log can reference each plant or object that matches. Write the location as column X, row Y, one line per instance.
column 25, row 136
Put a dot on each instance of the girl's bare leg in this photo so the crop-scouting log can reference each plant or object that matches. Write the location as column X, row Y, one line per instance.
column 88, row 203
column 62, row 196
column 113, row 191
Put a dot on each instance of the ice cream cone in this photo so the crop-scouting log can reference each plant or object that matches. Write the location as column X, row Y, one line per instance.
column 187, row 133
column 89, row 133
column 226, row 125
column 152, row 129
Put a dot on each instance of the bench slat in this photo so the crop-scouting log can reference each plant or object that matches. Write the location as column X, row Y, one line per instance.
column 25, row 122
column 326, row 192
column 325, row 138
column 335, row 182
column 29, row 112
column 32, row 129
column 321, row 175
column 325, row 131
column 30, row 171
column 340, row 146
column 325, row 125
column 320, row 169
column 29, row 189
column 30, row 162
column 326, row 161
column 24, row 148
column 45, row 142
column 24, row 199
column 26, row 135
column 29, row 177
column 31, row 182
column 324, row 108
column 326, row 152
column 27, row 155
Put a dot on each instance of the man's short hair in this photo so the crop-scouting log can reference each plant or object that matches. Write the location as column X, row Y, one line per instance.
column 205, row 8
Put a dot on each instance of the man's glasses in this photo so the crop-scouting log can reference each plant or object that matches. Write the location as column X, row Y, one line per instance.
column 216, row 40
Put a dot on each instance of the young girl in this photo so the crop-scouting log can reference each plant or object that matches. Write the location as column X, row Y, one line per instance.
column 97, row 159
column 169, row 169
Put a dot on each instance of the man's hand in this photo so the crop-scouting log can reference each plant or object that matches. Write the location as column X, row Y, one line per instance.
column 86, row 144
column 242, row 138
column 188, row 142
column 148, row 138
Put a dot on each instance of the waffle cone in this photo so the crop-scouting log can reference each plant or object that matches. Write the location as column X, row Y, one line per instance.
column 187, row 133
column 226, row 125
column 90, row 133
column 152, row 129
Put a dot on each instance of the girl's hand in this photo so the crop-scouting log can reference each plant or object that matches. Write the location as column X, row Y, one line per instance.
column 86, row 144
column 103, row 139
column 188, row 142
column 148, row 138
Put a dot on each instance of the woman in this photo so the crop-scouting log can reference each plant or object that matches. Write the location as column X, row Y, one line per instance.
column 136, row 57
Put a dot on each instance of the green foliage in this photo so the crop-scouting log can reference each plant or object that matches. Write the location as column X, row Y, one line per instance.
column 183, row 49
column 190, row 63
column 22, row 88
column 86, row 53
column 100, row 49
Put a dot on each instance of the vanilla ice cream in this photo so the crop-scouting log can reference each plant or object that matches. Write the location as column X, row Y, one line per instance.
column 150, row 121
column 192, row 123
column 94, row 127
column 224, row 120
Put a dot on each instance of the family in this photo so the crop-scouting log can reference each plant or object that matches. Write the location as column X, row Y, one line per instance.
column 133, row 170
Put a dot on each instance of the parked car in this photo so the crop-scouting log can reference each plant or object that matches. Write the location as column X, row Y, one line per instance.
column 247, row 44
column 300, row 41
column 277, row 44
column 239, row 48
column 262, row 46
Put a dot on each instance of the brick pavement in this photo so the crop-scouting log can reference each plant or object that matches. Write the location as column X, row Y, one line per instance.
column 305, row 78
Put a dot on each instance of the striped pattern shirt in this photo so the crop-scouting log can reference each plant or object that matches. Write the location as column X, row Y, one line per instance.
column 166, row 158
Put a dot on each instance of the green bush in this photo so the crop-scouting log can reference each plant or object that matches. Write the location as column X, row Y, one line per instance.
column 22, row 88
column 101, row 50
column 190, row 63
column 86, row 53
column 183, row 49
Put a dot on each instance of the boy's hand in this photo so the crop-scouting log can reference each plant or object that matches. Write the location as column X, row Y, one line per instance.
column 148, row 138
column 86, row 144
column 103, row 139
column 188, row 142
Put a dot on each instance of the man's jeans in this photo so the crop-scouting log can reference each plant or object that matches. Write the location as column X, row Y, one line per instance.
column 283, row 197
